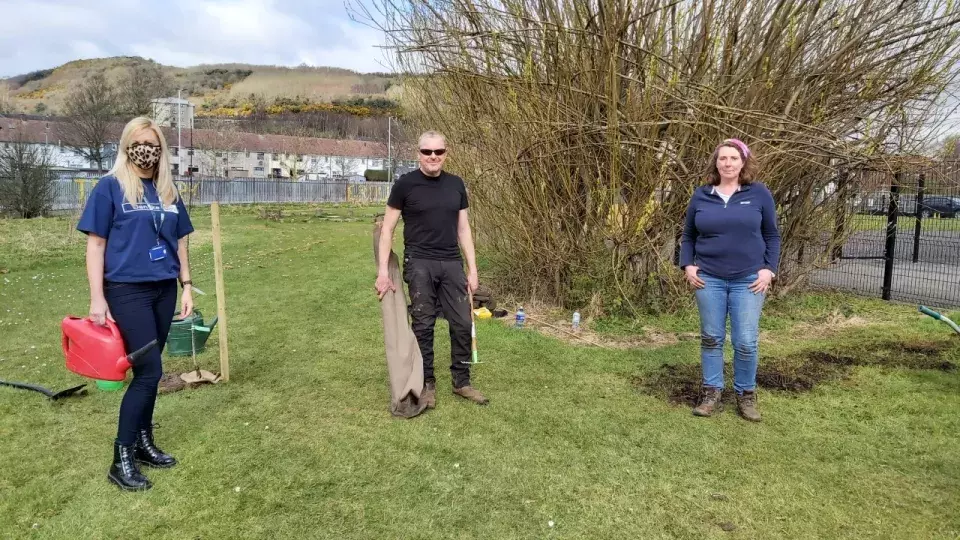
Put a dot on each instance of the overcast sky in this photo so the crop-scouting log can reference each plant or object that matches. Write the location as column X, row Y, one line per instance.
column 41, row 34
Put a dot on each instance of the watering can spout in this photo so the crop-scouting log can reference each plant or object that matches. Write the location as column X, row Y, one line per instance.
column 207, row 328
column 203, row 331
column 133, row 357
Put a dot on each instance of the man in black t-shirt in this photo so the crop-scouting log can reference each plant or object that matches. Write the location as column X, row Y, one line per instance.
column 433, row 204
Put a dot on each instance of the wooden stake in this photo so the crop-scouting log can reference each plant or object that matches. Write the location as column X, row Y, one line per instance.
column 221, row 294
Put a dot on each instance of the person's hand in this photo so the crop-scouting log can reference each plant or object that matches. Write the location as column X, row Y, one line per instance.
column 473, row 282
column 384, row 284
column 764, row 278
column 99, row 312
column 692, row 278
column 186, row 302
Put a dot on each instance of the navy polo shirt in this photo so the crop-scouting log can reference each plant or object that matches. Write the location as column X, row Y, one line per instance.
column 130, row 231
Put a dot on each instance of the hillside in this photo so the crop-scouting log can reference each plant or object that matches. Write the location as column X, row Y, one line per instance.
column 206, row 86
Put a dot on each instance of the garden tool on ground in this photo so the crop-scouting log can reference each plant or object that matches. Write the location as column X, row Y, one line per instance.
column 53, row 396
column 940, row 317
column 473, row 333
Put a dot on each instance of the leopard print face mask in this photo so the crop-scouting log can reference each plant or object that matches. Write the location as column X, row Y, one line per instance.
column 145, row 156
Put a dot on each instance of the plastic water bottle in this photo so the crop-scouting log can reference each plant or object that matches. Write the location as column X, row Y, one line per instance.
column 521, row 317
column 576, row 321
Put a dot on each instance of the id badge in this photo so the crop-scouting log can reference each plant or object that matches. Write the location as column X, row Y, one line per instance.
column 158, row 253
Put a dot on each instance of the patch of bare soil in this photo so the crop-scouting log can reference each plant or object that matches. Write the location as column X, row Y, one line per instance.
column 171, row 383
column 681, row 383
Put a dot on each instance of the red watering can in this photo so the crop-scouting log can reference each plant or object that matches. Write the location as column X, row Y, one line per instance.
column 96, row 351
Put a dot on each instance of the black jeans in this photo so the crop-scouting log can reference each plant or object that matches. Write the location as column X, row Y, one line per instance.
column 144, row 312
column 428, row 282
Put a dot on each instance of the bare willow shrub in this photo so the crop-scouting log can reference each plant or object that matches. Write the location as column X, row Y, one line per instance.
column 582, row 126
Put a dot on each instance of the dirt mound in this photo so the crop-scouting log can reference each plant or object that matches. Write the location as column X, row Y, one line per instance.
column 171, row 383
column 681, row 383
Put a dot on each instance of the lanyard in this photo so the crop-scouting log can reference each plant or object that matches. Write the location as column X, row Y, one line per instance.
column 153, row 215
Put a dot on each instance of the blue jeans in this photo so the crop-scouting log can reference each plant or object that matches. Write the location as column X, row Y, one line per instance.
column 717, row 300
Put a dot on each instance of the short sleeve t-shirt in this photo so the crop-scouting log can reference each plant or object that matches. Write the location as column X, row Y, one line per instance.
column 131, row 230
column 430, row 208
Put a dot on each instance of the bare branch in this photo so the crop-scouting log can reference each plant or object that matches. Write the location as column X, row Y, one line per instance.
column 91, row 111
column 582, row 126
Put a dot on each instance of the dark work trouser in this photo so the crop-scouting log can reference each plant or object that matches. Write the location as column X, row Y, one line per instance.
column 144, row 312
column 429, row 281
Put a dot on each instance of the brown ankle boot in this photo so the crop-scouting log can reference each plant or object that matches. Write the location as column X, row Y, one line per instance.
column 747, row 406
column 710, row 403
column 429, row 395
column 471, row 393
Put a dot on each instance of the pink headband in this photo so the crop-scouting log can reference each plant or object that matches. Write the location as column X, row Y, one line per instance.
column 739, row 144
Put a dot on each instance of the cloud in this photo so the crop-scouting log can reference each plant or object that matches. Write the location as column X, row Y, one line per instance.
column 40, row 34
column 86, row 49
column 362, row 45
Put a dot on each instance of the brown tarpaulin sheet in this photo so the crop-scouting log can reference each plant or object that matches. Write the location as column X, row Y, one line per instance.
column 404, row 363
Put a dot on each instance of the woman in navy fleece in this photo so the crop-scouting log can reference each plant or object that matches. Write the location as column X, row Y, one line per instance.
column 729, row 252
column 134, row 222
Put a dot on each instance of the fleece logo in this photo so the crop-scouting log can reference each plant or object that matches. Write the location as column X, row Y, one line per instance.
column 744, row 202
column 148, row 207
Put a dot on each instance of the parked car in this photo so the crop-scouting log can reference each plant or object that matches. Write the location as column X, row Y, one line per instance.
column 945, row 207
column 932, row 205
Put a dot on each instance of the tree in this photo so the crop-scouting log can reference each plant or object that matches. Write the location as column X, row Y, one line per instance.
column 139, row 86
column 345, row 166
column 26, row 185
column 950, row 147
column 257, row 119
column 40, row 108
column 583, row 126
column 213, row 147
column 295, row 145
column 6, row 99
column 90, row 110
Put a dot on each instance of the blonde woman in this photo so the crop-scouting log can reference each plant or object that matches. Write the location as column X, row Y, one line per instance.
column 134, row 221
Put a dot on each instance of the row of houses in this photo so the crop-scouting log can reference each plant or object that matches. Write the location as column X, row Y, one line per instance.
column 226, row 153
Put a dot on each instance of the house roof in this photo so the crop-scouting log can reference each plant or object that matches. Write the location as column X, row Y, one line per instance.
column 252, row 142
column 43, row 131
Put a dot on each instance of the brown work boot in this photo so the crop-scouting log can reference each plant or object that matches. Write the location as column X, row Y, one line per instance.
column 747, row 406
column 710, row 403
column 471, row 393
column 429, row 394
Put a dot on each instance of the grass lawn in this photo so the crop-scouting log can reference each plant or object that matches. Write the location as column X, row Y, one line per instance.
column 862, row 222
column 299, row 444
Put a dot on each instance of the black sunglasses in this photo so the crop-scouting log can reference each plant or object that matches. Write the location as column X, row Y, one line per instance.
column 428, row 152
